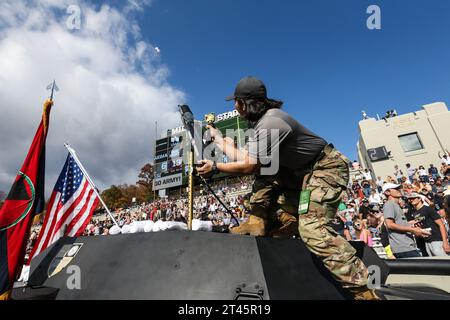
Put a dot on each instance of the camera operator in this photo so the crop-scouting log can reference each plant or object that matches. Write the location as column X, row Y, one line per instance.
column 306, row 162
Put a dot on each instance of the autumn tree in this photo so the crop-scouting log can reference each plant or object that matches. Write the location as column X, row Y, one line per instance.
column 112, row 196
column 146, row 176
column 122, row 195
column 145, row 182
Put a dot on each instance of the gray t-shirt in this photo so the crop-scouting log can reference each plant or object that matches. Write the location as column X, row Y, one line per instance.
column 297, row 145
column 400, row 242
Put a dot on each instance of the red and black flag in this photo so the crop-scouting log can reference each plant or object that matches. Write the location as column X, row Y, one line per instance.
column 24, row 201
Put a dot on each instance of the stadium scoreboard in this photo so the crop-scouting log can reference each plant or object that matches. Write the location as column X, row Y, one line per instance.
column 378, row 154
column 171, row 156
column 169, row 161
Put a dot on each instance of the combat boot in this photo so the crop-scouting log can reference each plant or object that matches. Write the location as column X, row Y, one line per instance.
column 287, row 226
column 254, row 226
column 363, row 293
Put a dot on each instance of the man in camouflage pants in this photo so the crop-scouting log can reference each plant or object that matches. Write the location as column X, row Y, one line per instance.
column 306, row 162
column 327, row 183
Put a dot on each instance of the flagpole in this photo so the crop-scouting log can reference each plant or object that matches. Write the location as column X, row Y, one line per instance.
column 73, row 153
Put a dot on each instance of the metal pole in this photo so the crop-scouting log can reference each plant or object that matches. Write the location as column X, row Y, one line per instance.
column 239, row 133
column 191, row 189
column 218, row 199
column 73, row 153
column 154, row 163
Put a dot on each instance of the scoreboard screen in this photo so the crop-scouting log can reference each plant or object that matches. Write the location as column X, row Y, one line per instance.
column 171, row 152
column 378, row 154
column 169, row 155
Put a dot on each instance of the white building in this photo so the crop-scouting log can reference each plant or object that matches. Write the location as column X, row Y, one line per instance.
column 416, row 138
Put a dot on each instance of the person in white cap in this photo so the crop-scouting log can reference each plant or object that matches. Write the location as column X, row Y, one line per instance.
column 400, row 231
column 437, row 243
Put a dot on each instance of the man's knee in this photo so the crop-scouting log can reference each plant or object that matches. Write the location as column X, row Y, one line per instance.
column 260, row 210
column 260, row 203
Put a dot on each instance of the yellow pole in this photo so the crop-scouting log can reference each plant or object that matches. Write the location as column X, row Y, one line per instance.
column 239, row 133
column 191, row 189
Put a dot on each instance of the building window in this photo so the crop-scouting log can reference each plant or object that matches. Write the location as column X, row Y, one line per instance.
column 410, row 142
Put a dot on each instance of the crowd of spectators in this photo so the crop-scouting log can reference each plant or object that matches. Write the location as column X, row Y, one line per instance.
column 174, row 208
column 412, row 222
column 406, row 213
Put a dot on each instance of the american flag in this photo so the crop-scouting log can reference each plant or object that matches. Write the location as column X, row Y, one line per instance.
column 70, row 208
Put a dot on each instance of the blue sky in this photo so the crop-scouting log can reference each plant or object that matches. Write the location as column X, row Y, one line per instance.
column 317, row 56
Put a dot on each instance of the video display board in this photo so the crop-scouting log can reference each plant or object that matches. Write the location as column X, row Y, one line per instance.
column 169, row 159
column 171, row 152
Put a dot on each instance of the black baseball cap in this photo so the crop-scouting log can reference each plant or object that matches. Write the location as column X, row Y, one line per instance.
column 249, row 88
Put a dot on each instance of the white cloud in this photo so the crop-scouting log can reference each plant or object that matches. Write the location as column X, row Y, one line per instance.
column 136, row 5
column 113, row 89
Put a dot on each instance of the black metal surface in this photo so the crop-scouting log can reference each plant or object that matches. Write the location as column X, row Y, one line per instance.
column 419, row 266
column 180, row 265
column 34, row 293
column 164, row 265
column 370, row 258
column 40, row 264
column 191, row 265
column 292, row 272
column 412, row 292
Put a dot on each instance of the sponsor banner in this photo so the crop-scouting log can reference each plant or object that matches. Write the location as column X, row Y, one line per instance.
column 227, row 115
column 161, row 157
column 220, row 117
column 168, row 182
column 176, row 130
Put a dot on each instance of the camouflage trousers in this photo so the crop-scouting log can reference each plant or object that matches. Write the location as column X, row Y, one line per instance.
column 271, row 195
column 327, row 183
